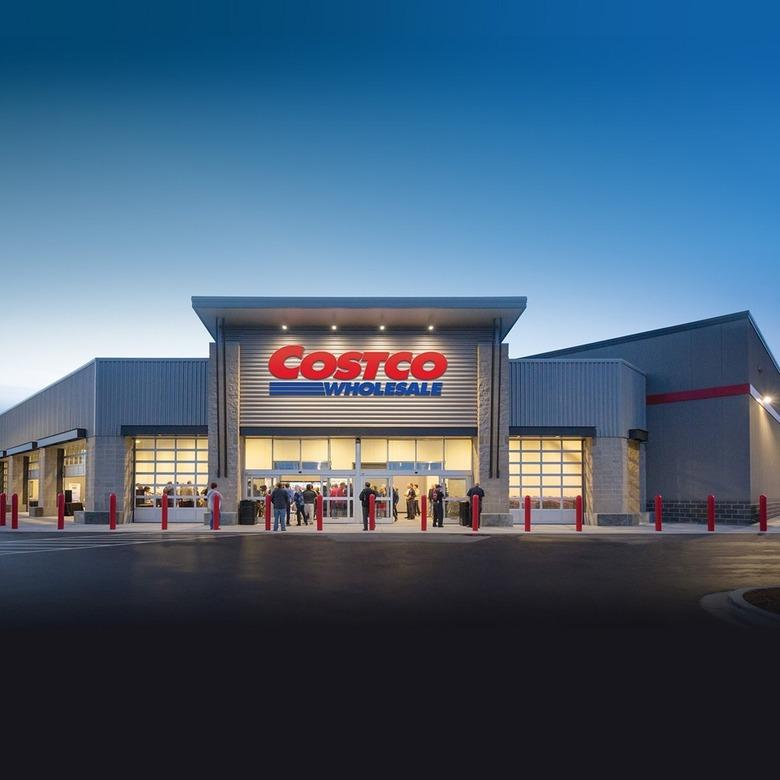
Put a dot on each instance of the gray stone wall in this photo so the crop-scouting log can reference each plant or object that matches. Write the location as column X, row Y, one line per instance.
column 109, row 470
column 729, row 512
column 225, row 472
column 15, row 477
column 496, row 487
column 613, row 470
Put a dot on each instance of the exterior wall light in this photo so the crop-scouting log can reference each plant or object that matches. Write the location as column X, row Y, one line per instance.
column 767, row 399
column 334, row 327
column 284, row 327
column 381, row 327
column 430, row 327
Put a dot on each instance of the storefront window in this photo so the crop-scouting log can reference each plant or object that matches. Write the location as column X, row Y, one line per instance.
column 257, row 454
column 33, row 473
column 373, row 453
column 74, row 474
column 430, row 454
column 287, row 454
column 457, row 454
column 401, row 454
column 547, row 470
column 314, row 454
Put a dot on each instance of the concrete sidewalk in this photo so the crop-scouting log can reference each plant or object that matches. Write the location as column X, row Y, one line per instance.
column 49, row 524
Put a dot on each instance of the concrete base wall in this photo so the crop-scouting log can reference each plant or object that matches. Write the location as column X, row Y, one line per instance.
column 731, row 512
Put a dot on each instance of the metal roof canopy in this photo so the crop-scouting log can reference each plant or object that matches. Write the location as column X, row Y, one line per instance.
column 398, row 313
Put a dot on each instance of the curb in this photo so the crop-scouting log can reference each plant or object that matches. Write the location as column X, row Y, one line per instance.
column 732, row 607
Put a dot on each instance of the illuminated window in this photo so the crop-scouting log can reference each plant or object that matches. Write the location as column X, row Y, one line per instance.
column 178, row 467
column 547, row 470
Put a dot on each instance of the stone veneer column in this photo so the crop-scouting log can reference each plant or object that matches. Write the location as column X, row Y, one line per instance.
column 615, row 483
column 225, row 467
column 109, row 470
column 47, row 480
column 15, row 477
column 495, row 507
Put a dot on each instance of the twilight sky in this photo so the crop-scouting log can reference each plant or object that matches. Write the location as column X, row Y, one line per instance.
column 615, row 162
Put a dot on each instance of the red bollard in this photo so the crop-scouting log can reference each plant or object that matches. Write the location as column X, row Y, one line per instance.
column 762, row 514
column 14, row 511
column 659, row 513
column 423, row 513
column 112, row 512
column 268, row 512
column 527, row 512
column 318, row 511
column 60, row 511
column 2, row 508
column 372, row 512
column 215, row 514
column 164, row 510
column 710, row 513
column 578, row 509
column 475, row 514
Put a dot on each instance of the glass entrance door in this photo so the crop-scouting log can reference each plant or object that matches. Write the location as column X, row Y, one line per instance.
column 338, row 500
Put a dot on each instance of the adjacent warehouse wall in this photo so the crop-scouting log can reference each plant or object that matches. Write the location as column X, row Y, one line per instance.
column 608, row 395
column 150, row 392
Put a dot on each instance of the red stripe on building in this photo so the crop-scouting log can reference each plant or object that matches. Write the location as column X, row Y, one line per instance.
column 698, row 395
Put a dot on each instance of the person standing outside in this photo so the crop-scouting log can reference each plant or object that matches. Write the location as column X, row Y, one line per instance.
column 280, row 500
column 437, row 501
column 364, row 501
column 309, row 500
column 395, row 504
column 213, row 491
column 476, row 490
column 410, row 501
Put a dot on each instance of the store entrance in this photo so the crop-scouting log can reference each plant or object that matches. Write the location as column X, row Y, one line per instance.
column 337, row 491
column 399, row 496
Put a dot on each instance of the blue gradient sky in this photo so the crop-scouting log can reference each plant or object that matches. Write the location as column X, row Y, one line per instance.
column 617, row 163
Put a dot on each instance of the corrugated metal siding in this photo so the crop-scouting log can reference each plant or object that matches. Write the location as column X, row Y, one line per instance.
column 65, row 405
column 456, row 406
column 150, row 392
column 606, row 394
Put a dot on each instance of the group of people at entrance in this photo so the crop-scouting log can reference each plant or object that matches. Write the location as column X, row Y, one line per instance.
column 285, row 500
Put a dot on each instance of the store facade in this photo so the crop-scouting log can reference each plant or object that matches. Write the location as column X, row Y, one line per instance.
column 406, row 393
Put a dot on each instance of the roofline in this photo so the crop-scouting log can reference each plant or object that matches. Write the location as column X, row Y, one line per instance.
column 49, row 386
column 763, row 342
column 622, row 361
column 94, row 362
column 741, row 315
column 519, row 302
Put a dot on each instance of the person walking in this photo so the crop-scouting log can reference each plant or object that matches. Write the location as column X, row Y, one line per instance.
column 280, row 500
column 309, row 500
column 364, row 502
column 416, row 500
column 395, row 504
column 437, row 501
column 213, row 491
column 298, row 501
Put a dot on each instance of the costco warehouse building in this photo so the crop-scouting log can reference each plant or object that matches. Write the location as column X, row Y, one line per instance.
column 399, row 391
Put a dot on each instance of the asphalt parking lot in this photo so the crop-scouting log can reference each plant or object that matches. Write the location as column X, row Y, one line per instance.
column 536, row 581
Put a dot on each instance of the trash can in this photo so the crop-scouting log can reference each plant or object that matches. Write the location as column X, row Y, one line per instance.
column 464, row 512
column 247, row 512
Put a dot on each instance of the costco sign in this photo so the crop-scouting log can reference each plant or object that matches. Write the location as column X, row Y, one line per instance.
column 352, row 374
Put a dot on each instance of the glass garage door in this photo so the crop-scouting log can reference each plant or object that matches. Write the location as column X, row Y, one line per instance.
column 550, row 472
column 173, row 467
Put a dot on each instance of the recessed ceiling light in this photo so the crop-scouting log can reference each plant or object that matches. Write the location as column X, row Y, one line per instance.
column 334, row 327
column 430, row 327
column 284, row 327
column 381, row 327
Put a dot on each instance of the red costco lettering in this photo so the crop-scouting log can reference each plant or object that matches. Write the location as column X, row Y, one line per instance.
column 292, row 362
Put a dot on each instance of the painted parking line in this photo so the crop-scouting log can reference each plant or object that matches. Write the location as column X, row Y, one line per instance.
column 15, row 546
